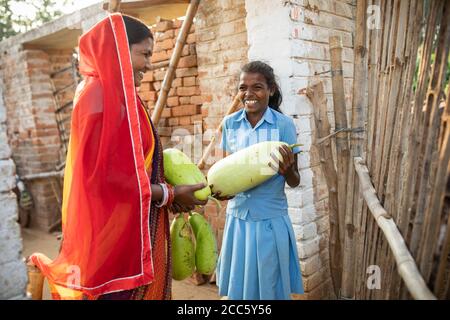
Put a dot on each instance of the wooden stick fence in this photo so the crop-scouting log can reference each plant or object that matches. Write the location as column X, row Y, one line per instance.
column 398, row 143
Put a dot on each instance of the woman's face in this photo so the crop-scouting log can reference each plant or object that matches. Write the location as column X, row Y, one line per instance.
column 254, row 92
column 140, row 59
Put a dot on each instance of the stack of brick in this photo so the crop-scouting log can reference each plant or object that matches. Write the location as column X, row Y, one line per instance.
column 13, row 277
column 32, row 130
column 183, row 107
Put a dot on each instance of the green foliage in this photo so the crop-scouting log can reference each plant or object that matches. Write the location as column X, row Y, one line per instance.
column 37, row 13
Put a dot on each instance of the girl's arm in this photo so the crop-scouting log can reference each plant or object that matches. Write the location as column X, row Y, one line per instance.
column 288, row 166
column 292, row 176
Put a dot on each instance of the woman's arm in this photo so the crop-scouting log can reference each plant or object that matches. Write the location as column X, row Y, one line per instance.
column 184, row 200
column 157, row 192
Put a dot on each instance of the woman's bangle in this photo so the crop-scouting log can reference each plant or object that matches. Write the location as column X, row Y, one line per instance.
column 171, row 194
column 165, row 197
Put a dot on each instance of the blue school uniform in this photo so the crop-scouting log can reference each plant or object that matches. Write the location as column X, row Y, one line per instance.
column 258, row 258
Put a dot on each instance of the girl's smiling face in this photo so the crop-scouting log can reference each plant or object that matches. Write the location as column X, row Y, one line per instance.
column 254, row 92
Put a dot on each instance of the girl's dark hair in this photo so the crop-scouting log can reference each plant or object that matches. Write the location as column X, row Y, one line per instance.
column 136, row 30
column 267, row 71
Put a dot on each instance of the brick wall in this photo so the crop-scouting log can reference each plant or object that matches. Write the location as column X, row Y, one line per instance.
column 300, row 34
column 221, row 51
column 183, row 107
column 13, row 277
column 31, row 126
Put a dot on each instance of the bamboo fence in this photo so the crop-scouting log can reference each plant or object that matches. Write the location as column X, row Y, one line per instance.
column 395, row 193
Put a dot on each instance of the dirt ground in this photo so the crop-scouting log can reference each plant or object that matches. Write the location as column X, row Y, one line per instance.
column 39, row 241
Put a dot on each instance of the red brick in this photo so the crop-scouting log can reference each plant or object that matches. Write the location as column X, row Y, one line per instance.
column 186, row 72
column 165, row 131
column 177, row 82
column 186, row 120
column 166, row 113
column 148, row 95
column 189, row 81
column 169, row 34
column 185, row 110
column 191, row 38
column 196, row 118
column 177, row 23
column 185, row 100
column 172, row 92
column 163, row 26
column 188, row 61
column 166, row 44
column 173, row 101
column 159, row 75
column 185, row 51
column 186, row 91
column 145, row 86
column 148, row 76
column 157, row 85
column 174, row 121
column 188, row 128
column 159, row 56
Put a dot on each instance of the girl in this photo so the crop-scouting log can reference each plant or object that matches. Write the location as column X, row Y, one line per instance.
column 259, row 258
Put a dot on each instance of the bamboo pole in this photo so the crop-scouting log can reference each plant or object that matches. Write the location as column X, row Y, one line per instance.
column 442, row 183
column 373, row 122
column 342, row 151
column 434, row 206
column 170, row 74
column 396, row 185
column 394, row 67
column 407, row 202
column 432, row 126
column 353, row 204
column 233, row 107
column 406, row 265
column 392, row 136
column 316, row 95
column 114, row 6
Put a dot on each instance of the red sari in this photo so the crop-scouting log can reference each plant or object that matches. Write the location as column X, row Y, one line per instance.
column 115, row 242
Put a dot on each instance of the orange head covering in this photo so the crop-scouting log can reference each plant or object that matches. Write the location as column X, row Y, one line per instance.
column 106, row 243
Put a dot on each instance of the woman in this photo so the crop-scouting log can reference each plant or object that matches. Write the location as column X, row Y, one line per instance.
column 259, row 257
column 115, row 200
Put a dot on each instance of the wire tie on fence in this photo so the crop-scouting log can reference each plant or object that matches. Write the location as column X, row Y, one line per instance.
column 321, row 140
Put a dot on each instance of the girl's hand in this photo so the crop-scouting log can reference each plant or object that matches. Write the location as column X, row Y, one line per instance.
column 286, row 165
column 219, row 197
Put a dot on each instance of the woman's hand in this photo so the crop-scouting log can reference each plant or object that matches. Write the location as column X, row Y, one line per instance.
column 178, row 208
column 185, row 199
column 219, row 197
column 286, row 165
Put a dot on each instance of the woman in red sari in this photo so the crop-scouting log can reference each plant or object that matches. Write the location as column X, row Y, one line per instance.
column 116, row 242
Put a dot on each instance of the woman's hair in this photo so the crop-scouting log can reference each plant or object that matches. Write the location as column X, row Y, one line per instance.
column 267, row 71
column 136, row 30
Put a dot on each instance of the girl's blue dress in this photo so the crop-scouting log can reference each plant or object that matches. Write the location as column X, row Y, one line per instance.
column 258, row 258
